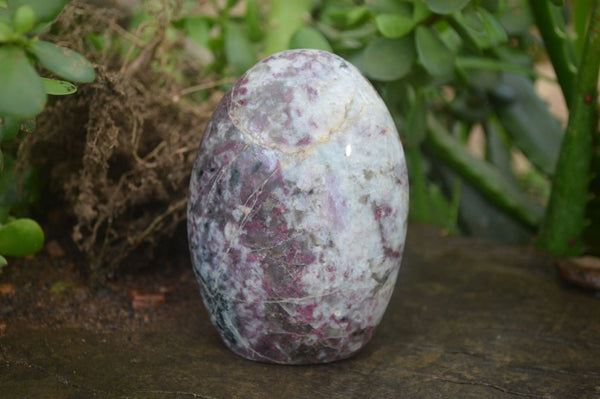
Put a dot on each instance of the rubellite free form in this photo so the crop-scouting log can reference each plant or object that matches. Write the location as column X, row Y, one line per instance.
column 297, row 210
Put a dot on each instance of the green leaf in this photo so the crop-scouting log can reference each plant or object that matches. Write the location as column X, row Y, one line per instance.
column 252, row 19
column 18, row 189
column 473, row 22
column 466, row 106
column 445, row 6
column 197, row 28
column 308, row 37
column 44, row 10
column 238, row 49
column 5, row 16
column 388, row 59
column 6, row 32
column 481, row 79
column 21, row 90
column 437, row 59
column 478, row 28
column 389, row 7
column 23, row 19
column 480, row 218
column 356, row 14
column 449, row 36
column 490, row 5
column 394, row 25
column 516, row 17
column 62, row 61
column 420, row 11
column 41, row 28
column 9, row 127
column 3, row 262
column 360, row 34
column 21, row 237
column 334, row 14
column 494, row 29
column 58, row 87
column 528, row 121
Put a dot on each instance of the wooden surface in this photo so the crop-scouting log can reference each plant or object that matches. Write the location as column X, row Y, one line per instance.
column 467, row 320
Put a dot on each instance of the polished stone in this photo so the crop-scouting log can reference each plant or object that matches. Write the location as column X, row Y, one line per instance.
column 297, row 210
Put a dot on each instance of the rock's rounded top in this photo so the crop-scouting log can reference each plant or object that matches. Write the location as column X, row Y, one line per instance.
column 295, row 99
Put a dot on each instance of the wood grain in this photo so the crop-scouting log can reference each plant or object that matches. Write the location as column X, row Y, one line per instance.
column 468, row 319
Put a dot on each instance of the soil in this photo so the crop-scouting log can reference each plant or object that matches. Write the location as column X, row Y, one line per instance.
column 52, row 289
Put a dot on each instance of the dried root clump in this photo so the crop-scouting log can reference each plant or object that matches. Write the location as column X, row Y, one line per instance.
column 120, row 151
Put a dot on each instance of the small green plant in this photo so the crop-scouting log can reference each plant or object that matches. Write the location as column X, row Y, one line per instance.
column 231, row 41
column 23, row 95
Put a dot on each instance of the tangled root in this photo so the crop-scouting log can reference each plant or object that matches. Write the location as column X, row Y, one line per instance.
column 120, row 151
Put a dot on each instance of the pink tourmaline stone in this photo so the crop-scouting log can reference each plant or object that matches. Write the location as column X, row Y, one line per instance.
column 297, row 210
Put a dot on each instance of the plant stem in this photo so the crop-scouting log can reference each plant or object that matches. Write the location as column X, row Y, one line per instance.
column 482, row 176
column 561, row 231
column 558, row 46
column 284, row 18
